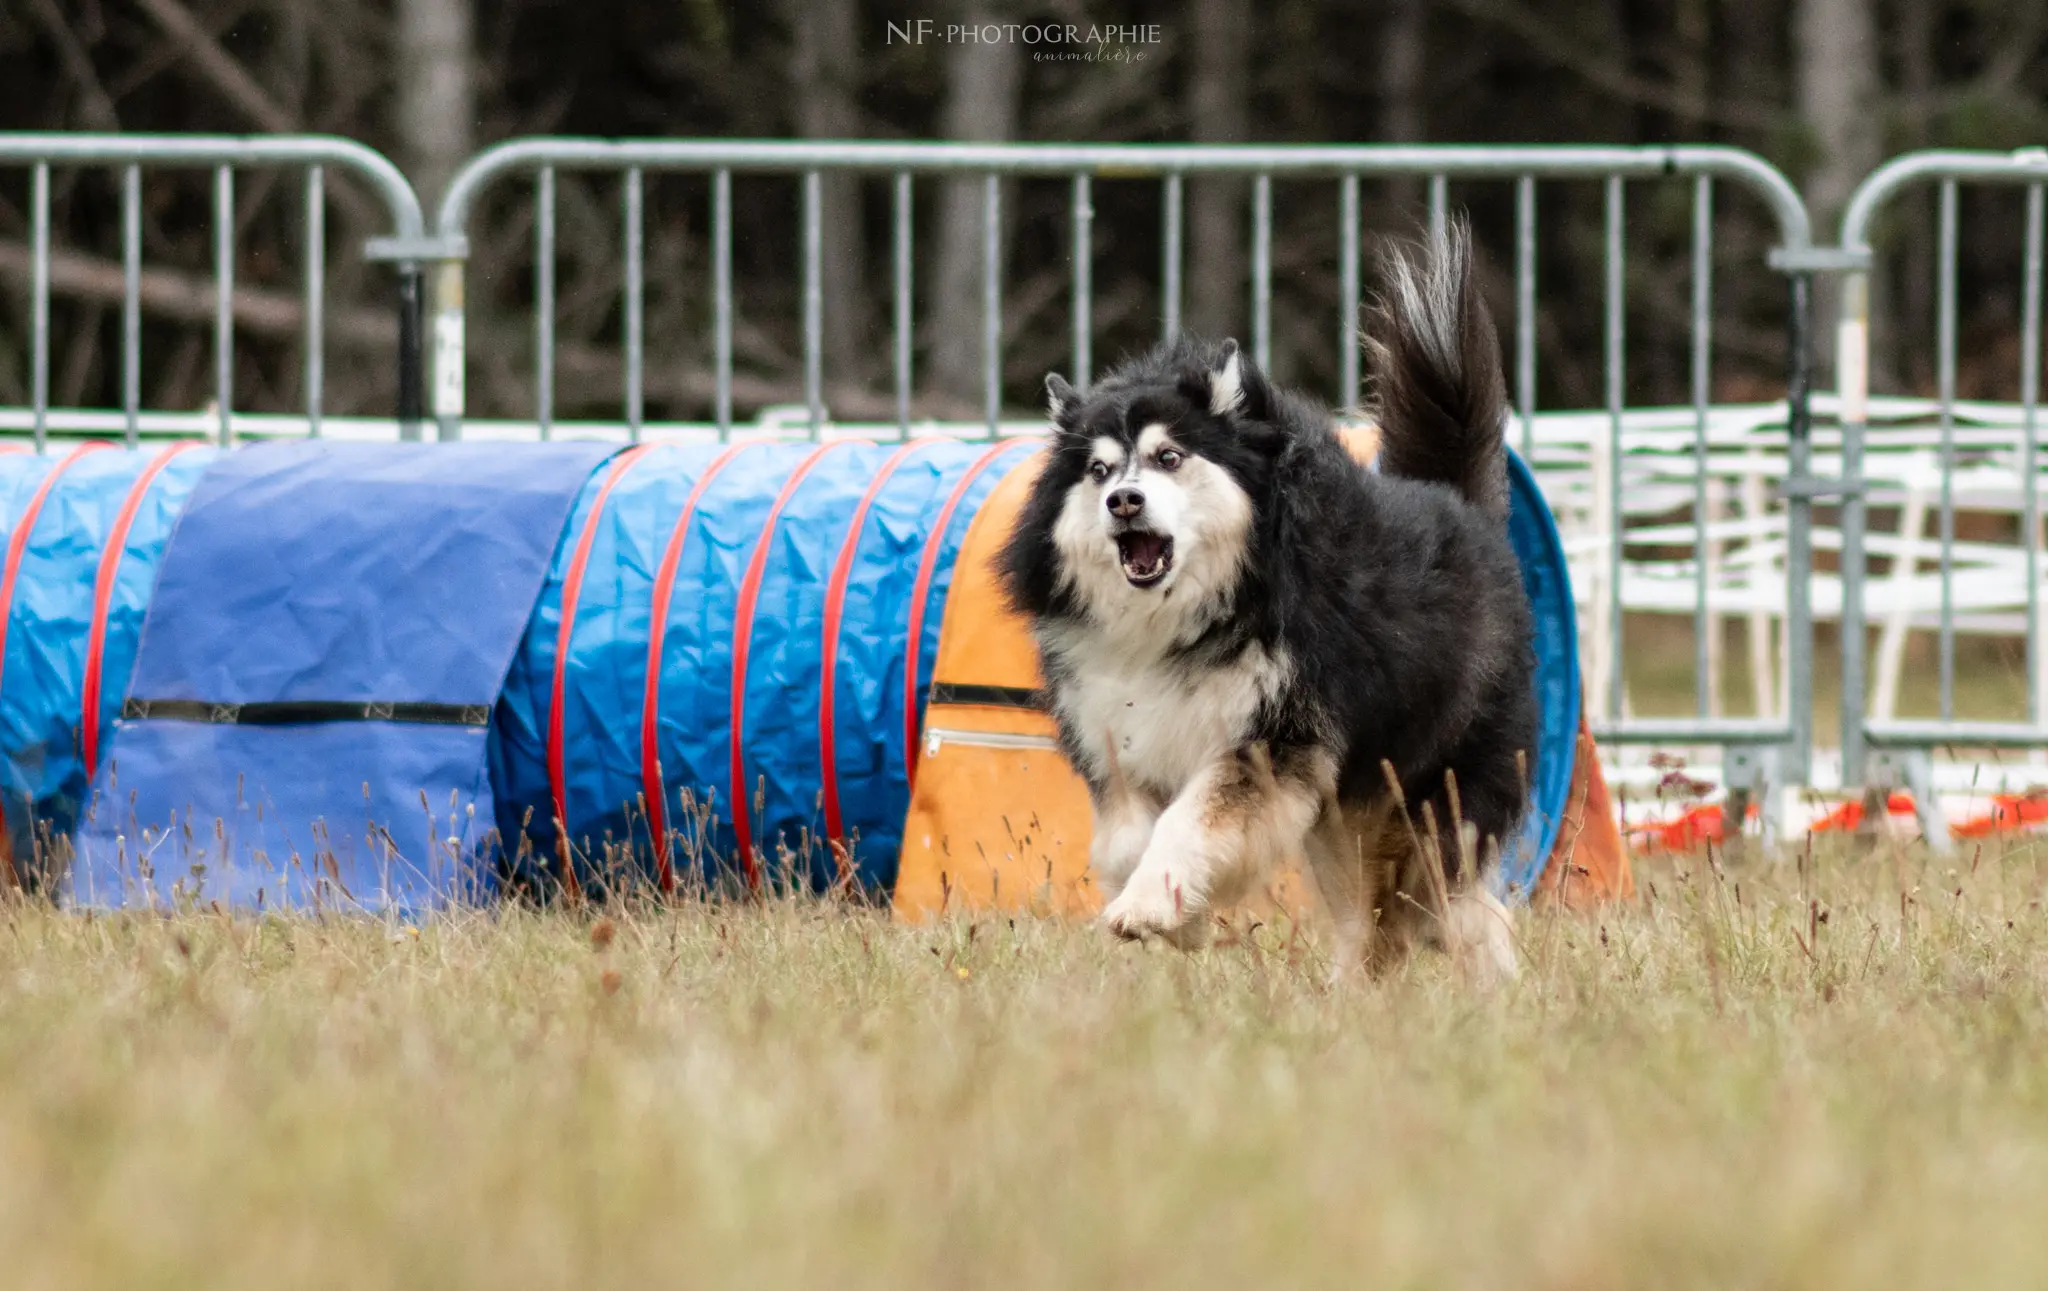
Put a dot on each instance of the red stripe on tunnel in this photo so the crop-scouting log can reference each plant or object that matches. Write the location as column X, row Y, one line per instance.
column 835, row 605
column 742, row 639
column 650, row 696
column 103, row 601
column 927, row 566
column 572, row 591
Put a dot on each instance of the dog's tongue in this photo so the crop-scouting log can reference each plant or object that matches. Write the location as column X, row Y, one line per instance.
column 1143, row 552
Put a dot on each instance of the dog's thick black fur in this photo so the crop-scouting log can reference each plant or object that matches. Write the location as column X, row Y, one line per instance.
column 1395, row 595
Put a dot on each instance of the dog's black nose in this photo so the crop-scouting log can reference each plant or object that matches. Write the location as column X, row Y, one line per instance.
column 1125, row 503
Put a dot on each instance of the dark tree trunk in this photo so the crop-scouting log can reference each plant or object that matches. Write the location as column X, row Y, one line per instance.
column 984, row 84
column 1218, row 112
column 1403, row 54
column 824, row 73
column 1836, row 57
column 436, row 90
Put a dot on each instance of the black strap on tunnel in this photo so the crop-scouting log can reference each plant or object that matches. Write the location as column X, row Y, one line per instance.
column 947, row 692
column 305, row 712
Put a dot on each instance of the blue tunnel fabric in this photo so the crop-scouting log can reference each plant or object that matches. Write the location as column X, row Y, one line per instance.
column 22, row 697
column 607, row 667
column 606, row 671
column 1547, row 580
column 48, row 637
column 320, row 573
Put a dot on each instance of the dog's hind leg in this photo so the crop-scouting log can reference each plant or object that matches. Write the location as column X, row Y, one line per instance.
column 1355, row 858
column 1476, row 928
column 1460, row 914
column 1479, row 932
column 1239, row 813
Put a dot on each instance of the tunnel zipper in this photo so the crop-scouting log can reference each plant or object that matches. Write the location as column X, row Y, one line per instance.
column 935, row 736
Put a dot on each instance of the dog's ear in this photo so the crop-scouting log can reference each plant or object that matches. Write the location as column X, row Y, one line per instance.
column 1059, row 397
column 1236, row 387
column 1226, row 380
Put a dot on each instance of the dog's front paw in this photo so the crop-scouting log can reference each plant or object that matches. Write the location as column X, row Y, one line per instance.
column 1156, row 903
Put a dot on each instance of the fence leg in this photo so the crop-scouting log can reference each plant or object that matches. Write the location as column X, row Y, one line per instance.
column 1912, row 770
column 1852, row 384
column 1753, row 775
column 1799, row 529
column 1926, row 804
column 411, row 382
column 450, row 343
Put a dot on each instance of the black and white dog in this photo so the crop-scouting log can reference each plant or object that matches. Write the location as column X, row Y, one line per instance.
column 1256, row 649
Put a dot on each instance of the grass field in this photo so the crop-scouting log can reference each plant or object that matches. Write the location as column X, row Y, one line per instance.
column 1819, row 1073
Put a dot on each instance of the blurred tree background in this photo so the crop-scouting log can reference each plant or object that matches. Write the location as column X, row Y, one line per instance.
column 1823, row 88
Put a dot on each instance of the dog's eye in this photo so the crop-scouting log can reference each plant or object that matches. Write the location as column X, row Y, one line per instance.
column 1098, row 471
column 1170, row 459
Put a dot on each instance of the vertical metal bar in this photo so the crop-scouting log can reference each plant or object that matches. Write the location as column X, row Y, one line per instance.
column 316, row 296
column 721, row 292
column 2030, row 483
column 1702, row 358
column 1799, row 531
column 814, row 301
column 1852, row 383
column 1525, row 311
column 992, row 298
column 1439, row 205
column 1616, row 391
column 636, row 336
column 1262, row 271
column 1170, row 271
column 451, row 347
column 39, row 298
column 1084, row 266
column 1347, row 292
column 131, row 301
column 544, row 301
column 1945, row 380
column 224, row 297
column 411, row 303
column 903, row 319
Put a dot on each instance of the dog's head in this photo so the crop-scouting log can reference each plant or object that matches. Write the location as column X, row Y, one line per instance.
column 1152, row 491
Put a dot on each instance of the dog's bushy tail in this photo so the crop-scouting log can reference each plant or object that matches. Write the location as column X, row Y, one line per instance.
column 1437, row 388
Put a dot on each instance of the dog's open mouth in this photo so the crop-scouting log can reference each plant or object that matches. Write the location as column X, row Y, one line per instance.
column 1146, row 556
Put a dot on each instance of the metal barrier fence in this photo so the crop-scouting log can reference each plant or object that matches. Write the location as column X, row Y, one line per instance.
column 1899, row 749
column 225, row 155
column 1763, row 740
column 1761, row 749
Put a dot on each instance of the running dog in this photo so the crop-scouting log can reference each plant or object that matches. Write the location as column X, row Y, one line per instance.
column 1256, row 649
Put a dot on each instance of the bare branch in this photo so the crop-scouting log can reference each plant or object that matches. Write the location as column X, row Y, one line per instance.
column 220, row 67
column 98, row 107
column 1565, row 52
column 190, row 298
column 585, row 371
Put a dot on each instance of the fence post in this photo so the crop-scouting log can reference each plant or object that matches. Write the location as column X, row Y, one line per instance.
column 1799, row 525
column 1852, row 388
column 409, row 375
column 450, row 340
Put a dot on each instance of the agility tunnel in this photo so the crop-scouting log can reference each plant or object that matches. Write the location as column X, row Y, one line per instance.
column 400, row 676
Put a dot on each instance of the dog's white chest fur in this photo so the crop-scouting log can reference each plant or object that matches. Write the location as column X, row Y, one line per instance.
column 1163, row 718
